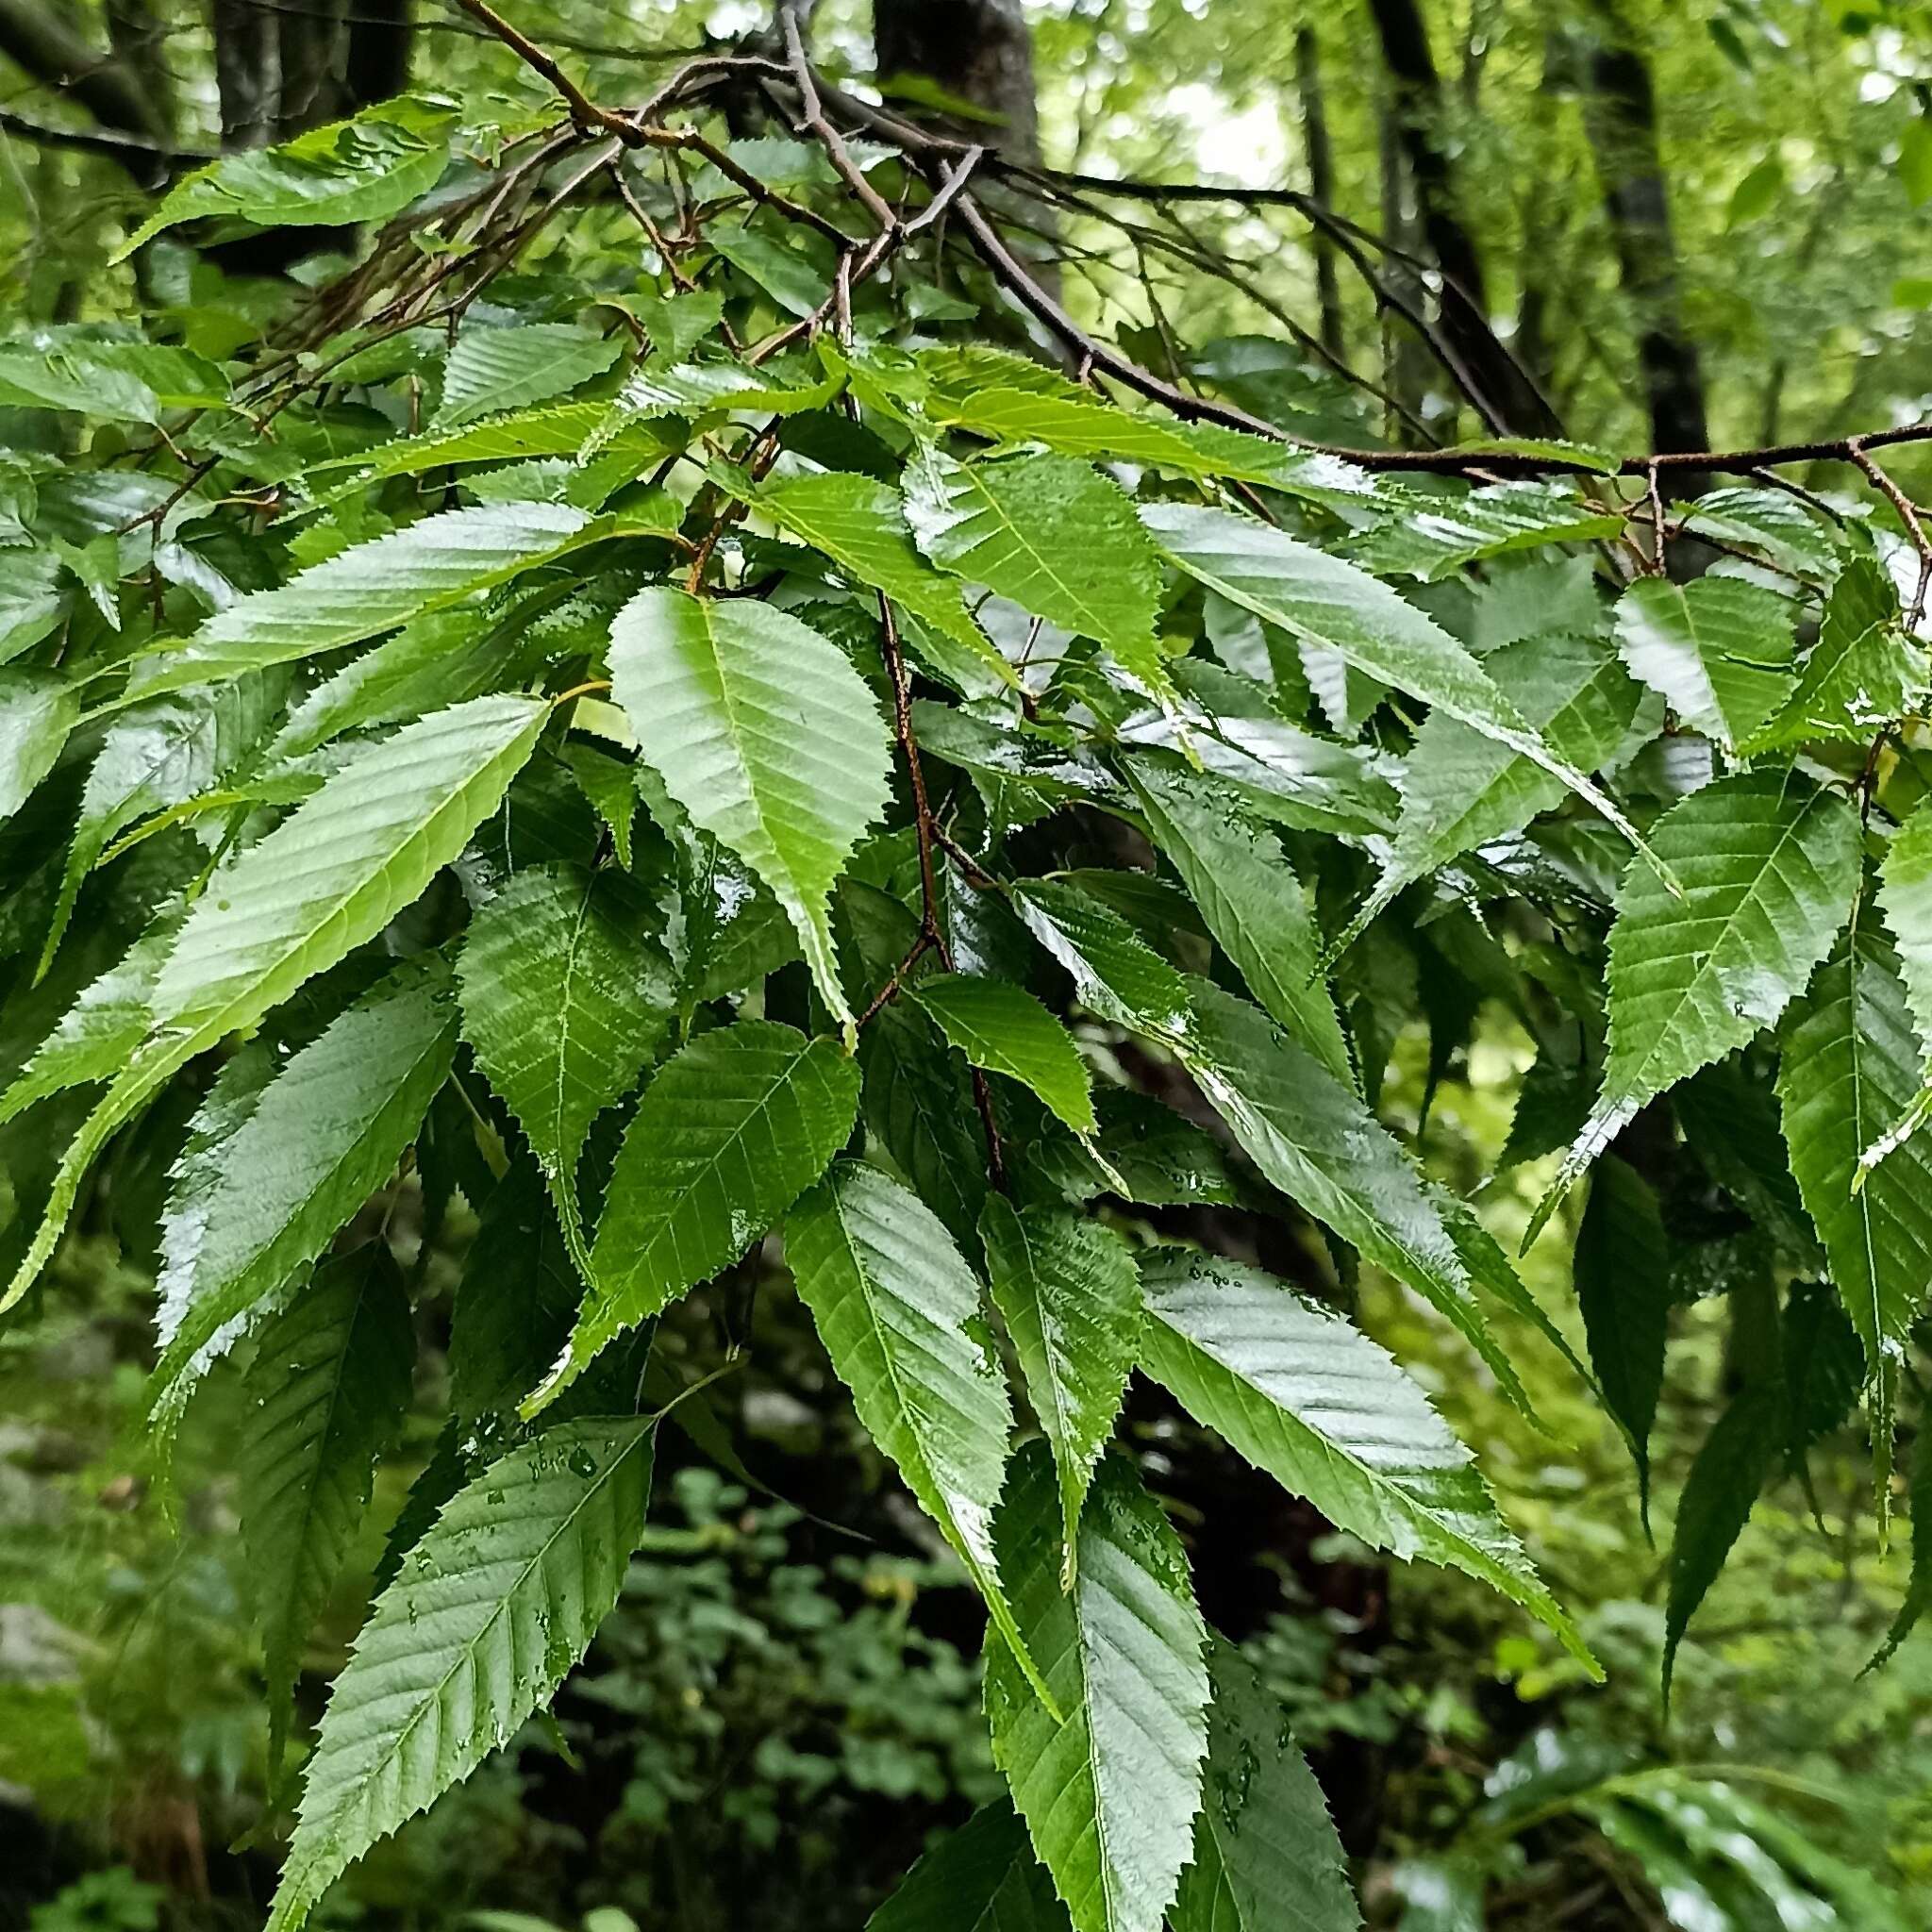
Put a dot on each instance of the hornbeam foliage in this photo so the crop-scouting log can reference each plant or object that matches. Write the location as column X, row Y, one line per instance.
column 772, row 781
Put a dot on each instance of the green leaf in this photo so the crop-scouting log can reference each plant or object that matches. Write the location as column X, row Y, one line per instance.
column 981, row 1878
column 1070, row 1300
column 493, row 370
column 778, row 388
column 1108, row 1789
column 899, row 1314
column 1915, row 161
column 1437, row 534
column 1116, row 972
column 561, row 430
column 1328, row 602
column 38, row 709
column 1849, row 1067
column 788, row 275
column 732, row 1129
column 1718, row 650
column 1918, row 1597
column 1254, row 903
column 362, row 170
column 1304, row 1394
column 1861, row 673
column 1907, row 897
column 859, row 524
column 326, row 1132
column 485, row 1616
column 1311, row 1135
column 375, row 586
column 566, row 996
column 1736, row 1458
column 331, row 876
column 1462, row 788
column 1052, row 534
column 327, row 1388
column 1621, row 1268
column 1266, row 1855
column 1002, row 1027
column 1770, row 863
column 765, row 735
column 155, row 755
column 1754, row 518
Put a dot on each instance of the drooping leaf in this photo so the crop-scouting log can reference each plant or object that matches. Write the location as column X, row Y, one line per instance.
column 1070, row 1300
column 1115, row 972
column 328, row 1387
column 1002, row 1027
column 1730, row 1469
column 485, row 1616
column 982, row 1879
column 491, row 371
column 1622, row 1269
column 1253, row 902
column 1328, row 602
column 729, row 1133
column 1109, row 1786
column 329, row 878
column 1769, row 863
column 1306, row 1396
column 1052, row 534
column 766, row 737
column 1266, row 1855
column 326, row 1133
column 373, row 587
column 1907, row 897
column 566, row 994
column 362, row 170
column 1718, row 649
column 1849, row 1067
column 1315, row 1140
column 899, row 1313
column 1918, row 1587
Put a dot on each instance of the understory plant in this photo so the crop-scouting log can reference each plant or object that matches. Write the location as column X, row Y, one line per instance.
column 772, row 760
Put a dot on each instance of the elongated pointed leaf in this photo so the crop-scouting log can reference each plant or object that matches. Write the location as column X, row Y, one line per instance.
column 1730, row 1469
column 1907, row 896
column 1328, row 602
column 730, row 1132
column 1110, row 1789
column 1770, row 862
column 1462, row 788
column 1718, row 650
column 38, row 709
column 329, row 878
column 1439, row 533
column 1067, row 1288
column 1306, row 1396
column 1052, row 534
column 1621, row 1270
column 1861, row 673
column 899, row 1313
column 859, row 522
column 765, row 735
column 1253, row 902
column 983, row 1878
column 1002, row 1027
column 1315, row 1140
column 362, row 170
column 1115, row 972
column 1849, row 1067
column 373, row 587
column 566, row 994
column 560, row 430
column 327, row 1388
column 1918, row 1597
column 1266, row 1855
column 493, row 370
column 326, row 1132
column 485, row 1616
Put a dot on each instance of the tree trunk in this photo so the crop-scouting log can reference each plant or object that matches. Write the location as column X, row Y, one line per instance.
column 247, row 71
column 380, row 37
column 978, row 50
column 1620, row 119
column 1506, row 396
column 1307, row 78
column 40, row 38
column 310, row 41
